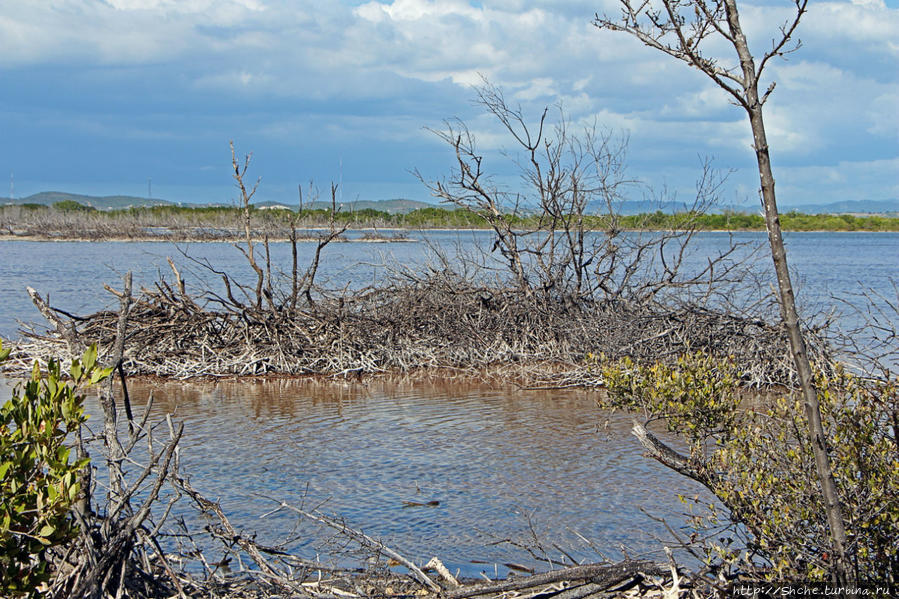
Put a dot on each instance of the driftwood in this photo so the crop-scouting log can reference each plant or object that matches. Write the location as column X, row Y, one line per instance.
column 603, row 576
column 369, row 542
column 68, row 334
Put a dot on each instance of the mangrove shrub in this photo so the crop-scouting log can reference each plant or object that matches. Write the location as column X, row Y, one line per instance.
column 39, row 480
column 756, row 458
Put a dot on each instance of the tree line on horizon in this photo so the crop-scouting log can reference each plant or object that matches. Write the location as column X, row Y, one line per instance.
column 435, row 217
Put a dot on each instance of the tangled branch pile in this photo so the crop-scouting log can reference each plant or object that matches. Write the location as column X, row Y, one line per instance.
column 438, row 322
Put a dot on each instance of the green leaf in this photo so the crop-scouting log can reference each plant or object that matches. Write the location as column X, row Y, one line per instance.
column 100, row 374
column 76, row 370
column 53, row 369
column 89, row 359
column 46, row 530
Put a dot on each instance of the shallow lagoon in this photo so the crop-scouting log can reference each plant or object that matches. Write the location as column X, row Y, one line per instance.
column 499, row 460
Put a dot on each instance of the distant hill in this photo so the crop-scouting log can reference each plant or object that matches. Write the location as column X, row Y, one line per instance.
column 850, row 207
column 883, row 207
column 48, row 198
column 886, row 207
column 395, row 206
column 403, row 206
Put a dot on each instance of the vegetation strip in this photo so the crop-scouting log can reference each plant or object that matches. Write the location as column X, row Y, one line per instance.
column 66, row 221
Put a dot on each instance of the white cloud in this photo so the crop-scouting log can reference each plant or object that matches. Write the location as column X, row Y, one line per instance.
column 882, row 114
column 415, row 10
column 867, row 22
column 184, row 6
column 417, row 59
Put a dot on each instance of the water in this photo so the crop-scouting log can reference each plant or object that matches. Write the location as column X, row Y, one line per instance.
column 499, row 461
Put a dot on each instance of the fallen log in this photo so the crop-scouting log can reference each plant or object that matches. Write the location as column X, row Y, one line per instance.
column 603, row 576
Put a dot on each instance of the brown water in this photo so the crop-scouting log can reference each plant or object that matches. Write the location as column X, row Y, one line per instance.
column 495, row 459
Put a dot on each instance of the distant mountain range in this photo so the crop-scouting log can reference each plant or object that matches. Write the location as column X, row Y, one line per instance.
column 399, row 205
column 887, row 207
column 48, row 198
column 851, row 207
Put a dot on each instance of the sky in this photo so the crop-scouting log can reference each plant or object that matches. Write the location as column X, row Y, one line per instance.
column 139, row 97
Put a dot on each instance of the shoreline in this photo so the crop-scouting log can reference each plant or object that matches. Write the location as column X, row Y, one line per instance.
column 160, row 239
column 499, row 376
column 386, row 239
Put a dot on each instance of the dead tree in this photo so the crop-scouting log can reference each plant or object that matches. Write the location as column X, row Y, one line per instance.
column 294, row 276
column 240, row 171
column 559, row 236
column 685, row 29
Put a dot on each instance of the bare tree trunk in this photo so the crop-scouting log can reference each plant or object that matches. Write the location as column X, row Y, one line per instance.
column 293, row 249
column 245, row 196
column 678, row 33
column 753, row 108
column 116, row 454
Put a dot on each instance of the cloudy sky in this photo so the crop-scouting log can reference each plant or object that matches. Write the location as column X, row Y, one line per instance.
column 99, row 96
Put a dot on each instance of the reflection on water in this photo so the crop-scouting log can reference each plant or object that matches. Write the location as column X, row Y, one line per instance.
column 493, row 458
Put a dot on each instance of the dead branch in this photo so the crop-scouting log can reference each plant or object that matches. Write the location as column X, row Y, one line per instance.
column 679, row 463
column 240, row 171
column 604, row 576
column 67, row 333
column 366, row 541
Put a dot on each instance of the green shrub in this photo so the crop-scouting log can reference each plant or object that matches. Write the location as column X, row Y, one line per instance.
column 38, row 481
column 696, row 396
column 761, row 467
column 72, row 206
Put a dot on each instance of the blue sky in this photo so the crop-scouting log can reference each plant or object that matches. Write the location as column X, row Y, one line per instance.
column 100, row 96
